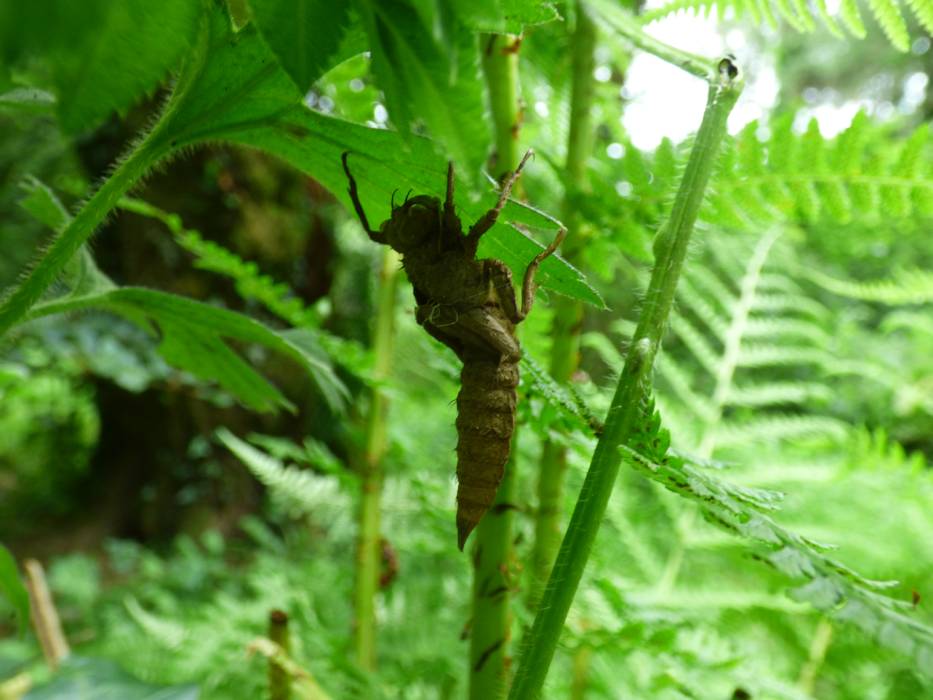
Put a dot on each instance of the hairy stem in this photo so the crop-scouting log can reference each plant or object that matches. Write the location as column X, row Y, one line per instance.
column 670, row 248
column 369, row 538
column 568, row 313
column 492, row 557
column 63, row 248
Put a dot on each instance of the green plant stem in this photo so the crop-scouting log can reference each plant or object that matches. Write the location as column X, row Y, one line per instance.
column 280, row 685
column 369, row 539
column 492, row 554
column 670, row 249
column 492, row 587
column 822, row 638
column 63, row 248
column 568, row 313
column 500, row 65
column 580, row 672
column 626, row 24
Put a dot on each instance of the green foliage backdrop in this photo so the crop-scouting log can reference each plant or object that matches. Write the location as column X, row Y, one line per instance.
column 768, row 534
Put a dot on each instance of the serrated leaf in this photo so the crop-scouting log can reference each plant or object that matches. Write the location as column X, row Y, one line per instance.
column 42, row 204
column 306, row 35
column 233, row 88
column 107, row 55
column 194, row 338
column 230, row 81
column 382, row 162
column 430, row 75
column 504, row 16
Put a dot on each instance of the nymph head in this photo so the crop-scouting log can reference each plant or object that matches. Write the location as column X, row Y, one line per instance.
column 413, row 223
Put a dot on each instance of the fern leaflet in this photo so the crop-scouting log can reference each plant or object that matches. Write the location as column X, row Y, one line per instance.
column 802, row 17
column 825, row 583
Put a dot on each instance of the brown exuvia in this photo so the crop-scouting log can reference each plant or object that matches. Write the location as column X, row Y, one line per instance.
column 468, row 305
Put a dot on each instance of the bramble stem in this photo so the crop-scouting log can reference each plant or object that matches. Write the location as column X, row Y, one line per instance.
column 52, row 263
column 493, row 563
column 369, row 538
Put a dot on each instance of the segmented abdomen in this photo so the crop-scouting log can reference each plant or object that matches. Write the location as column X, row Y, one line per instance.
column 485, row 422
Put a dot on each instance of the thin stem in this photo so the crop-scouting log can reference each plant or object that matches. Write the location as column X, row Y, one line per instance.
column 822, row 638
column 44, row 616
column 580, row 672
column 72, row 237
column 568, row 313
column 280, row 685
column 492, row 555
column 670, row 248
column 625, row 23
column 369, row 541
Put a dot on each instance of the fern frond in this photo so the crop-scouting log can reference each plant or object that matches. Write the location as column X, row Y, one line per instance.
column 250, row 283
column 298, row 491
column 786, row 328
column 792, row 177
column 766, row 355
column 701, row 348
column 803, row 17
column 923, row 9
column 789, row 304
column 168, row 633
column 760, row 394
column 905, row 287
column 678, row 381
column 873, row 449
column 700, row 307
column 822, row 582
column 779, row 427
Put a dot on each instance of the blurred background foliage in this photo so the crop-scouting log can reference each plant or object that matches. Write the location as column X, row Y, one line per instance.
column 168, row 542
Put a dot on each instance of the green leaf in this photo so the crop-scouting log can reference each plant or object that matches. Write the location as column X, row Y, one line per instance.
column 821, row 581
column 81, row 274
column 233, row 88
column 27, row 99
column 298, row 491
column 231, row 81
column 194, row 338
column 382, row 162
column 431, row 75
column 12, row 588
column 101, row 679
column 306, row 35
column 105, row 55
column 43, row 205
column 504, row 16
